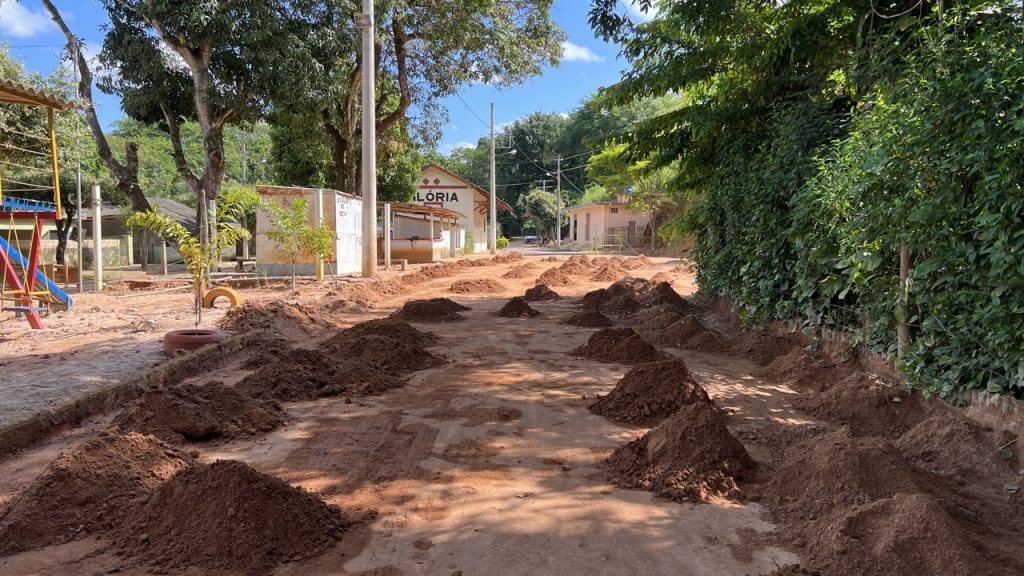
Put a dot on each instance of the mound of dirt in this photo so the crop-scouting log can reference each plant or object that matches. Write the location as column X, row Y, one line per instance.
column 608, row 273
column 516, row 308
column 507, row 258
column 550, row 259
column 87, row 491
column 834, row 472
column 622, row 304
column 950, row 444
column 385, row 354
column 588, row 318
column 288, row 319
column 595, row 298
column 434, row 272
column 689, row 456
column 228, row 516
column 309, row 374
column 620, row 345
column 910, row 534
column 664, row 295
column 662, row 277
column 576, row 268
column 631, row 286
column 649, row 393
column 634, row 262
column 707, row 342
column 652, row 319
column 868, row 405
column 763, row 347
column 432, row 310
column 401, row 331
column 555, row 277
column 194, row 413
column 666, row 327
column 803, row 370
column 582, row 259
column 522, row 271
column 541, row 292
column 485, row 286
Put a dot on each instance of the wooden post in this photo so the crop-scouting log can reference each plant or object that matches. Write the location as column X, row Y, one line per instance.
column 55, row 164
column 902, row 328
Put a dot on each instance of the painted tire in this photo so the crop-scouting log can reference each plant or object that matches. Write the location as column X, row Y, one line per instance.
column 234, row 298
column 189, row 340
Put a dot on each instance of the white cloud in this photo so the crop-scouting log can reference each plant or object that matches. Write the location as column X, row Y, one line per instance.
column 576, row 53
column 449, row 148
column 18, row 21
column 636, row 15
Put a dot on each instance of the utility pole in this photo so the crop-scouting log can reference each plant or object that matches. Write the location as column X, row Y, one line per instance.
column 244, row 137
column 544, row 184
column 78, row 186
column 369, row 169
column 558, row 203
column 492, row 233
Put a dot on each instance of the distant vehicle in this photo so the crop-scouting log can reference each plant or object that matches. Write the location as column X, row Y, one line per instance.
column 530, row 239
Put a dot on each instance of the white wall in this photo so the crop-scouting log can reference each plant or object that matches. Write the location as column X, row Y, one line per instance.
column 438, row 188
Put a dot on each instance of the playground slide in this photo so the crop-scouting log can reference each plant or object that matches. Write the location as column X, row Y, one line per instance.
column 40, row 277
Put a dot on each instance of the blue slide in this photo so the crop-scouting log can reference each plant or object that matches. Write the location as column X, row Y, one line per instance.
column 40, row 277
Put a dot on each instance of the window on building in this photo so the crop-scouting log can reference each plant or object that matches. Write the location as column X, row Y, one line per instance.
column 615, row 210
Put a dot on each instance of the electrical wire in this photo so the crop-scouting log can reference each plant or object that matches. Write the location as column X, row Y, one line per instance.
column 473, row 112
column 900, row 15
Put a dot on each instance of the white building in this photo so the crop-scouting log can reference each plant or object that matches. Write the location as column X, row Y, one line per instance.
column 608, row 223
column 440, row 188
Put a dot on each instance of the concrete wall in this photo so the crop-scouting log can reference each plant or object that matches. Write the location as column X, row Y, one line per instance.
column 605, row 225
column 342, row 212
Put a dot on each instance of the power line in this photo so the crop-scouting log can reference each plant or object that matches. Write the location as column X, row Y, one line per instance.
column 473, row 112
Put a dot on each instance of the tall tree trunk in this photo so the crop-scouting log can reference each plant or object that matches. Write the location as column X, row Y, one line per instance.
column 125, row 175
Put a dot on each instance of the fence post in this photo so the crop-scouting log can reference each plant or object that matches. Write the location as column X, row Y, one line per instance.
column 902, row 328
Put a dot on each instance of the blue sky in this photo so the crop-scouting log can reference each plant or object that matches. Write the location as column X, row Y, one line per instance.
column 587, row 64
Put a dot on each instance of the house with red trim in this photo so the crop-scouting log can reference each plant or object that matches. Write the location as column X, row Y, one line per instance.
column 441, row 188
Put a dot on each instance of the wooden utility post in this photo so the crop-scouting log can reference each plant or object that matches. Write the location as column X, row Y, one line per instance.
column 902, row 328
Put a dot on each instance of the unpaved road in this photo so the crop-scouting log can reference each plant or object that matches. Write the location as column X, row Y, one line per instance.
column 486, row 465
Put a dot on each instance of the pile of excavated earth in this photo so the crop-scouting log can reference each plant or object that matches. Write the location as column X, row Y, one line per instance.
column 871, row 478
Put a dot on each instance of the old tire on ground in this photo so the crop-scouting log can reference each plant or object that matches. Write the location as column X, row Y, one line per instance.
column 189, row 340
column 234, row 298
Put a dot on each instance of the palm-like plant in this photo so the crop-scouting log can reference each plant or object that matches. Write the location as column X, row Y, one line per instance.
column 198, row 256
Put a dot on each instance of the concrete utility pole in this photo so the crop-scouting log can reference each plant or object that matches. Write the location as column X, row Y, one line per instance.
column 97, row 240
column 369, row 170
column 78, row 192
column 319, row 224
column 558, row 203
column 492, row 234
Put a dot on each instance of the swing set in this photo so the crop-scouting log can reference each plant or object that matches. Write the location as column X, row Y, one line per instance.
column 24, row 289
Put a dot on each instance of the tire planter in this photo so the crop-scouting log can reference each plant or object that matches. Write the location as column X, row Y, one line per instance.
column 189, row 340
column 234, row 298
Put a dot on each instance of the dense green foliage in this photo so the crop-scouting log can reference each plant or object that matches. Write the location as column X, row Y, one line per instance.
column 819, row 137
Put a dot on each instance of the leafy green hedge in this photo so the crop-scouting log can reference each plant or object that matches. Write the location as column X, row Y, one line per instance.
column 808, row 221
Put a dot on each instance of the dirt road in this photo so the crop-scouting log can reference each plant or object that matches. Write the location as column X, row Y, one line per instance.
column 490, row 463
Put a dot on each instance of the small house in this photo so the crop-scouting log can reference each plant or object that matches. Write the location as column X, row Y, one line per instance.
column 437, row 187
column 610, row 223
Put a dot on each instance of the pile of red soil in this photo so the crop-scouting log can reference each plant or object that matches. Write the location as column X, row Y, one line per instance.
column 634, row 262
column 195, row 413
column 576, row 267
column 803, row 370
column 394, row 329
column 690, row 456
column 652, row 319
column 949, row 444
column 88, row 491
column 310, row 374
column 622, row 304
column 471, row 263
column 550, row 259
column 507, row 258
column 485, row 286
column 228, row 516
column 763, row 347
column 522, row 271
column 541, row 292
column 555, row 277
column 620, row 345
column 288, row 319
column 608, row 273
column 868, row 404
column 516, row 308
column 707, row 342
column 649, row 393
column 362, row 294
column 381, row 352
column 630, row 286
column 595, row 298
column 665, row 326
column 662, row 277
column 433, row 272
column 588, row 318
column 432, row 310
column 663, row 295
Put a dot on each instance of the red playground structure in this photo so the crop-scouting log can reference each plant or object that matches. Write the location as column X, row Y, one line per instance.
column 25, row 290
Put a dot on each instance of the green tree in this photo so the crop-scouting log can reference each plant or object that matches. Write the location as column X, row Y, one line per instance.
column 539, row 211
column 293, row 235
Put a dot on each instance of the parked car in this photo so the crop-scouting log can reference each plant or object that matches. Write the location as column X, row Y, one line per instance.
column 530, row 239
